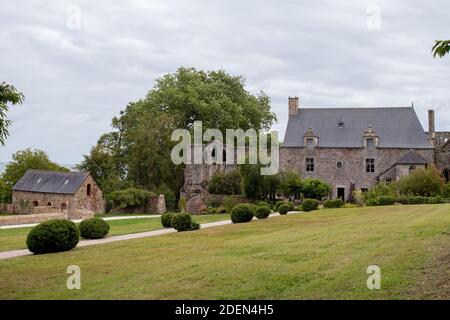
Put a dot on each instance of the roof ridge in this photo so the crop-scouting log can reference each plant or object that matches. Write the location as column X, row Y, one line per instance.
column 56, row 171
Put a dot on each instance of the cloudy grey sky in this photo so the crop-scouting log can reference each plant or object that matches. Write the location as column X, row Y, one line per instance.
column 329, row 54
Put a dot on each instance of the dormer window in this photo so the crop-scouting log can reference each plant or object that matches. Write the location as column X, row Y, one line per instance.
column 370, row 139
column 310, row 139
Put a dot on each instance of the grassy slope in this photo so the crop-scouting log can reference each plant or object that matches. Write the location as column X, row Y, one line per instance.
column 11, row 239
column 321, row 254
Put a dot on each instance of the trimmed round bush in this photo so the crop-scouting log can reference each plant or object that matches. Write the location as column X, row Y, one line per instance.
column 290, row 204
column 263, row 204
column 284, row 209
column 333, row 203
column 166, row 220
column 278, row 204
column 182, row 222
column 221, row 210
column 94, row 228
column 309, row 205
column 262, row 212
column 242, row 213
column 53, row 236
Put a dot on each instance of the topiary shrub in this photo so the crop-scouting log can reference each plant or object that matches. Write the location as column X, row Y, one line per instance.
column 183, row 222
column 242, row 213
column 309, row 205
column 221, row 210
column 262, row 212
column 333, row 203
column 284, row 209
column 94, row 228
column 53, row 236
column 278, row 204
column 166, row 220
column 263, row 204
column 290, row 204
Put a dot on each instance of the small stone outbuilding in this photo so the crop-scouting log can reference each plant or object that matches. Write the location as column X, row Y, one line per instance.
column 74, row 193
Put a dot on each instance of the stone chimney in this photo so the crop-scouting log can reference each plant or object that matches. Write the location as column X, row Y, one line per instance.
column 431, row 127
column 293, row 106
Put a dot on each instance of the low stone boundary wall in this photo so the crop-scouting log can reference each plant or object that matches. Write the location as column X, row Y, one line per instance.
column 30, row 218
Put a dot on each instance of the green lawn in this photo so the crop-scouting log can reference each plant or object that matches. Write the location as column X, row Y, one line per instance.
column 11, row 239
column 322, row 254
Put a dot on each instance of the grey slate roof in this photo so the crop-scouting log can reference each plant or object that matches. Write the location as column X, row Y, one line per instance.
column 395, row 127
column 411, row 157
column 51, row 181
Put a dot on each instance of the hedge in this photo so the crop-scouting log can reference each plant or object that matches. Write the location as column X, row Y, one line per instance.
column 333, row 203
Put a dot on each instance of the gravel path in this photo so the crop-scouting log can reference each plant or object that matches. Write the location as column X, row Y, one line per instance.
column 84, row 243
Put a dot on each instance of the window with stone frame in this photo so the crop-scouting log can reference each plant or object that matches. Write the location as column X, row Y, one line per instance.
column 310, row 164
column 370, row 165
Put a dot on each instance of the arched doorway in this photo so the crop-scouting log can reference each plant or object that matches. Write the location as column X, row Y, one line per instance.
column 446, row 174
column 63, row 207
column 35, row 203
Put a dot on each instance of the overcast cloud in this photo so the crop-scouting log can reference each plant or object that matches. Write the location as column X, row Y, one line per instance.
column 76, row 80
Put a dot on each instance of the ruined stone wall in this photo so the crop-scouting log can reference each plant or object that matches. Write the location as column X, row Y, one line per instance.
column 353, row 164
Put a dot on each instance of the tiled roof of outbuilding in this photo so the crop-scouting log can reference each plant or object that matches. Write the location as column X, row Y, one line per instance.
column 51, row 181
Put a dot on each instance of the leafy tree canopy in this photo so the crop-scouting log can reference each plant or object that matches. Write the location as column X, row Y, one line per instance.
column 137, row 152
column 441, row 48
column 8, row 94
column 23, row 161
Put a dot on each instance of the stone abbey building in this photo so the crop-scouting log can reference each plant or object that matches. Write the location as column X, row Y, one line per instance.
column 350, row 148
column 354, row 148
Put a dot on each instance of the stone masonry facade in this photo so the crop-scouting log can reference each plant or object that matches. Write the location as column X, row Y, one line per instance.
column 344, row 167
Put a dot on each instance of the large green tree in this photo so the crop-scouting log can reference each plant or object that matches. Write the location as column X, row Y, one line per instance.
column 8, row 94
column 23, row 161
column 441, row 48
column 137, row 150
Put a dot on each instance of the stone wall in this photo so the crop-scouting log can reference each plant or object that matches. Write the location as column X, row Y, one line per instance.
column 30, row 218
column 353, row 164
